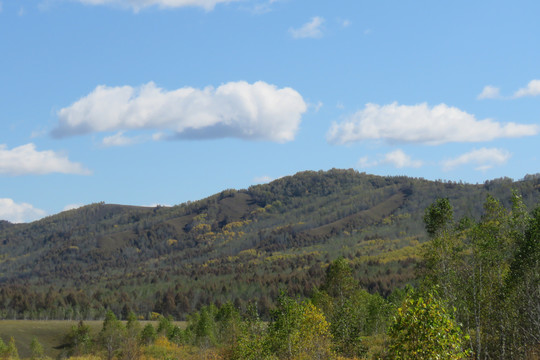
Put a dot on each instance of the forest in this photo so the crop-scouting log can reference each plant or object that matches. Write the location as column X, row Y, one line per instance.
column 477, row 297
column 323, row 265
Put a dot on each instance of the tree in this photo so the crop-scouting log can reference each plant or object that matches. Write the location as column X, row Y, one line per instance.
column 3, row 349
column 130, row 347
column 111, row 335
column 148, row 335
column 36, row 349
column 12, row 351
column 78, row 340
column 299, row 330
column 252, row 340
column 423, row 329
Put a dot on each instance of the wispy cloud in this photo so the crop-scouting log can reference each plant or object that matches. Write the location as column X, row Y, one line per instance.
column 137, row 5
column 397, row 158
column 257, row 111
column 400, row 160
column 19, row 212
column 119, row 139
column 421, row 124
column 532, row 89
column 483, row 159
column 72, row 207
column 489, row 92
column 262, row 179
column 312, row 29
column 26, row 160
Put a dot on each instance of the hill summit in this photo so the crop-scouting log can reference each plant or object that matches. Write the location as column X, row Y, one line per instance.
column 237, row 245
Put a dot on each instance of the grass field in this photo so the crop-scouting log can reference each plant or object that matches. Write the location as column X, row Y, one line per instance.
column 49, row 333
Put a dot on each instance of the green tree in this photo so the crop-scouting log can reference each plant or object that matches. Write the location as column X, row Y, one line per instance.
column 423, row 329
column 36, row 349
column 112, row 335
column 12, row 351
column 78, row 340
column 130, row 349
column 148, row 335
column 252, row 341
column 299, row 330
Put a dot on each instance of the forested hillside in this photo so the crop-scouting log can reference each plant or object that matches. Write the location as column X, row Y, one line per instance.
column 233, row 246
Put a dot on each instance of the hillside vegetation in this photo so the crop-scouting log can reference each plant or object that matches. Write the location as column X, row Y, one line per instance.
column 238, row 245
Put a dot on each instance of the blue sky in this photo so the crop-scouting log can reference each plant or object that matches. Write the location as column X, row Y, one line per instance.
column 147, row 102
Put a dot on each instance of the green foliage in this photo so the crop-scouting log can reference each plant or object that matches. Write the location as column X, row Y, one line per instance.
column 252, row 342
column 299, row 330
column 148, row 335
column 3, row 349
column 423, row 329
column 112, row 335
column 78, row 340
column 12, row 352
column 248, row 242
column 353, row 313
column 36, row 348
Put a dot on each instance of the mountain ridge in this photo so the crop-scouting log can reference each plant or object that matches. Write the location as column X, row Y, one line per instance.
column 235, row 245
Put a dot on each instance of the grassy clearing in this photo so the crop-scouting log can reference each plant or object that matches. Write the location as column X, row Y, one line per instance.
column 49, row 333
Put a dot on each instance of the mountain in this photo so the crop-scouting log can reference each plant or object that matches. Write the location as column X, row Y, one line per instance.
column 238, row 245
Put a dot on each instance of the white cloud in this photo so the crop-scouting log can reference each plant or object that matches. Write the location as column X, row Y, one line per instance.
column 489, row 92
column 365, row 162
column 421, row 124
column 18, row 213
column 397, row 159
column 119, row 139
column 257, row 111
column 400, row 160
column 483, row 159
column 0, row 6
column 137, row 5
column 312, row 29
column 262, row 179
column 532, row 89
column 317, row 106
column 72, row 207
column 345, row 23
column 25, row 160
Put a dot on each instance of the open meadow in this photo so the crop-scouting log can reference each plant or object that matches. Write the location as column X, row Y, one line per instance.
column 50, row 333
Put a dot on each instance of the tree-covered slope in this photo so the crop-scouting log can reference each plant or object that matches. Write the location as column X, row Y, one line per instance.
column 235, row 245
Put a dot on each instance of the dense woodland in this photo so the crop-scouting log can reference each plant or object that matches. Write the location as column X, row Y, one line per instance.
column 320, row 265
column 477, row 297
column 235, row 246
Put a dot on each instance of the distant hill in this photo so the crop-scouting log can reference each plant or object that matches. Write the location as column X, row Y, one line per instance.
column 238, row 245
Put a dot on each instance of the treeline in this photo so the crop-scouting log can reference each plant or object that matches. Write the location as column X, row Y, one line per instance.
column 230, row 247
column 477, row 297
column 488, row 272
column 333, row 322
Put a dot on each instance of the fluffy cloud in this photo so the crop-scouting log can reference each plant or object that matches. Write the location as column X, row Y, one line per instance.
column 119, row 139
column 72, row 207
column 483, row 159
column 257, row 111
column 400, row 160
column 489, row 92
column 532, row 89
column 312, row 29
column 262, row 179
column 397, row 159
column 25, row 160
column 18, row 213
column 421, row 124
column 137, row 5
